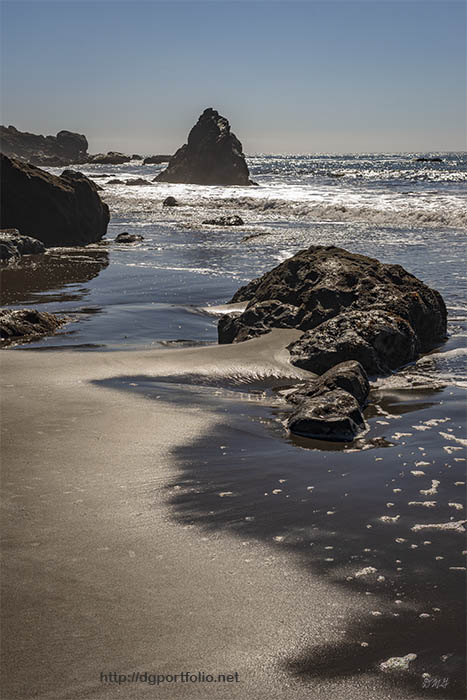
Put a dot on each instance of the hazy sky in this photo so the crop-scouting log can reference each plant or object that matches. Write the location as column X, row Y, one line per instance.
column 290, row 76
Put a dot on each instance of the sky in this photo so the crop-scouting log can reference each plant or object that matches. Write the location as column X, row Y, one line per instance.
column 292, row 77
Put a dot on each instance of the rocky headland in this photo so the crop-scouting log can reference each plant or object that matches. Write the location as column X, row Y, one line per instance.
column 213, row 155
column 63, row 149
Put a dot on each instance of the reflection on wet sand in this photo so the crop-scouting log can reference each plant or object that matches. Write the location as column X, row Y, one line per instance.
column 52, row 277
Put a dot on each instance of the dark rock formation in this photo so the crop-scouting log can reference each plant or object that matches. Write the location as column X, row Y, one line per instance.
column 334, row 416
column 115, row 181
column 428, row 160
column 212, row 156
column 329, row 407
column 347, row 376
column 170, row 202
column 349, row 306
column 377, row 339
column 64, row 148
column 13, row 245
column 126, row 237
column 138, row 181
column 136, row 156
column 234, row 220
column 156, row 160
column 59, row 211
column 110, row 158
column 27, row 324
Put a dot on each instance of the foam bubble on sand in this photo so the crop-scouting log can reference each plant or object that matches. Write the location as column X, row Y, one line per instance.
column 422, row 464
column 389, row 519
column 397, row 490
column 276, row 491
column 459, row 483
column 434, row 489
column 310, row 488
column 426, row 504
column 400, row 540
column 366, row 571
column 225, row 493
column 424, row 615
column 278, row 538
column 457, row 506
column 450, row 449
column 453, row 526
column 396, row 436
column 390, row 505
column 417, row 473
column 457, row 568
column 376, row 613
column 397, row 663
column 448, row 436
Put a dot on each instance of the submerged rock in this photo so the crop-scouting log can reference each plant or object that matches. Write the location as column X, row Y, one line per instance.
column 59, row 211
column 126, row 237
column 428, row 160
column 115, row 181
column 13, row 245
column 347, row 376
column 170, row 202
column 234, row 220
column 349, row 306
column 137, row 181
column 27, row 324
column 212, row 156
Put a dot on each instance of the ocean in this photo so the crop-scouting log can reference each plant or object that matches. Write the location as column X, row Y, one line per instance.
column 382, row 516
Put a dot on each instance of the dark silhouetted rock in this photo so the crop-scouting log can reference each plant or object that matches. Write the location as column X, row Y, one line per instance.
column 356, row 307
column 428, row 160
column 64, row 148
column 110, row 158
column 13, row 245
column 212, row 156
column 170, row 202
column 135, row 156
column 115, row 181
column 156, row 160
column 126, row 237
column 59, row 211
column 27, row 324
column 225, row 221
column 333, row 415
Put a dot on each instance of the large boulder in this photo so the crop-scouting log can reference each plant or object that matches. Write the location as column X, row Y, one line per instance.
column 347, row 376
column 13, row 245
column 349, row 306
column 212, row 156
column 64, row 148
column 59, row 211
column 333, row 415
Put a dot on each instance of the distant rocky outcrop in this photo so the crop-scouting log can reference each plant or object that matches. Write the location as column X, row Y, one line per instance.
column 59, row 211
column 63, row 149
column 110, row 158
column 428, row 160
column 349, row 307
column 13, row 245
column 27, row 324
column 212, row 156
column 156, row 160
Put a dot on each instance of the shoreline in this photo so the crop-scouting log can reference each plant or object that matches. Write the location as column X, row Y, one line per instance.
column 111, row 567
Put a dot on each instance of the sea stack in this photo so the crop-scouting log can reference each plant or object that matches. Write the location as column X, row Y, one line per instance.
column 212, row 156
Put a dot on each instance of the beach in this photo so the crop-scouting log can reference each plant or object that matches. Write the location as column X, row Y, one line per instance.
column 158, row 516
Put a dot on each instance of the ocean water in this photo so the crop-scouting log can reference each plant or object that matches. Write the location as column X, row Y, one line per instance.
column 382, row 516
column 387, row 206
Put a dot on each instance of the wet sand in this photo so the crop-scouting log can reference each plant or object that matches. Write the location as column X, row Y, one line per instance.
column 121, row 554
